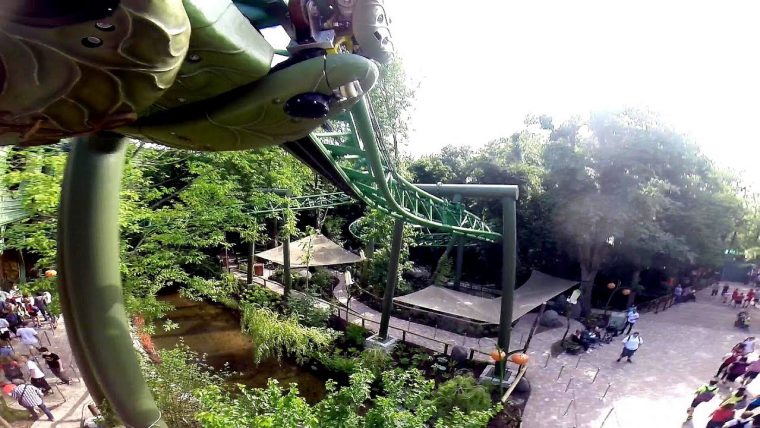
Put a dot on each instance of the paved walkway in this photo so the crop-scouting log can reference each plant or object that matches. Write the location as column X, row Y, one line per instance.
column 682, row 349
column 67, row 401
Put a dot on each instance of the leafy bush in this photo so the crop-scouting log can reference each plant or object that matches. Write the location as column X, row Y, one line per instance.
column 375, row 360
column 463, row 393
column 354, row 335
column 274, row 335
column 260, row 297
column 321, row 279
column 308, row 313
column 336, row 362
column 474, row 419
column 262, row 407
column 405, row 400
column 217, row 290
column 181, row 371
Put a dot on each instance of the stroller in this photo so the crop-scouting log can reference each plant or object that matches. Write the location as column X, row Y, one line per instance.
column 742, row 320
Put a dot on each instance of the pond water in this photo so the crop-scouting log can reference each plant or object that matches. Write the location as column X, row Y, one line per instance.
column 215, row 331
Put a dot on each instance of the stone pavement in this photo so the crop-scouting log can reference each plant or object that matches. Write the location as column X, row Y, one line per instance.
column 682, row 349
column 69, row 402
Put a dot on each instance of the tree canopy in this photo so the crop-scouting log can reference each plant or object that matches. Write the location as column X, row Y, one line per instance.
column 619, row 185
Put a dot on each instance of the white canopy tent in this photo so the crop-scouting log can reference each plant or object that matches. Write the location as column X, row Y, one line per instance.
column 320, row 250
column 539, row 288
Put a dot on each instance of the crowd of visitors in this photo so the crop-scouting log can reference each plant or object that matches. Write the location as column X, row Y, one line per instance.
column 738, row 368
column 21, row 376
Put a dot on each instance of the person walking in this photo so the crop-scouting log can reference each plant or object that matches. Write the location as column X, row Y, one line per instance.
column 715, row 289
column 748, row 345
column 743, row 421
column 739, row 299
column 736, row 369
column 720, row 416
column 728, row 359
column 755, row 403
column 11, row 368
column 41, row 304
column 630, row 320
column 753, row 369
column 630, row 346
column 36, row 375
column 678, row 292
column 703, row 394
column 749, row 299
column 724, row 293
column 28, row 337
column 29, row 397
column 738, row 398
column 55, row 364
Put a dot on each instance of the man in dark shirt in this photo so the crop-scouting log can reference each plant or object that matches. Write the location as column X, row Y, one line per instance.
column 55, row 364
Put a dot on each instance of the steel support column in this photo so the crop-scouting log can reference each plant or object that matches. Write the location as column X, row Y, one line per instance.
column 459, row 262
column 286, row 277
column 508, row 260
column 390, row 288
column 251, row 251
column 92, row 299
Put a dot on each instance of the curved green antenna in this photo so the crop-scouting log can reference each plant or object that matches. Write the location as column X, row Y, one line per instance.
column 90, row 279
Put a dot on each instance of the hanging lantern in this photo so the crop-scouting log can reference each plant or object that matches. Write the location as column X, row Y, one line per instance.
column 50, row 273
column 519, row 359
column 625, row 291
column 611, row 285
column 498, row 355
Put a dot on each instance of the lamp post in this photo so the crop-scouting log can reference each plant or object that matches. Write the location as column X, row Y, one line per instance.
column 615, row 288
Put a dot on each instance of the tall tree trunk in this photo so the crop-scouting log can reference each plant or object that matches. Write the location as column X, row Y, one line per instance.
column 588, row 274
column 634, row 287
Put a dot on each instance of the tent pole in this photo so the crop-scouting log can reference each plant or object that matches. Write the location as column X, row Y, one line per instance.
column 286, row 277
column 390, row 288
column 508, row 259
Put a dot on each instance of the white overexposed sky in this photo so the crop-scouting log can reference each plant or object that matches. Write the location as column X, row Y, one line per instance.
column 483, row 65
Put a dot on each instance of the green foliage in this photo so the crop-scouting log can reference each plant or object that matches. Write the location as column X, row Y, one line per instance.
column 175, row 206
column 269, row 407
column 375, row 360
column 392, row 99
column 180, row 372
column 405, row 401
column 443, row 274
column 188, row 394
column 274, row 335
column 260, row 297
column 321, row 280
column 461, row 392
column 336, row 362
column 474, row 419
column 341, row 407
column 307, row 311
column 334, row 228
column 354, row 334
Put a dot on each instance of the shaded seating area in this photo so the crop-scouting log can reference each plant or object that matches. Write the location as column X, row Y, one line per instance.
column 311, row 251
column 539, row 288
